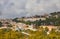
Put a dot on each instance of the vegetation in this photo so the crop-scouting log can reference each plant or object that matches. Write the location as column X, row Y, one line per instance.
column 0, row 24
column 54, row 19
column 39, row 34
column 4, row 34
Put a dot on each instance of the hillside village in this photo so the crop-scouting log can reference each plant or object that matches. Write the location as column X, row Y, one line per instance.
column 46, row 23
column 32, row 22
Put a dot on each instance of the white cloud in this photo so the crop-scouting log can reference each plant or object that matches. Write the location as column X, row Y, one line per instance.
column 17, row 8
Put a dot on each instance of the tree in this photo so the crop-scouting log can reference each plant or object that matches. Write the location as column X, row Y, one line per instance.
column 28, row 22
column 16, row 20
column 46, row 29
column 0, row 24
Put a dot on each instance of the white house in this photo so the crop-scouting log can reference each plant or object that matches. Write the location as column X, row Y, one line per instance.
column 33, row 19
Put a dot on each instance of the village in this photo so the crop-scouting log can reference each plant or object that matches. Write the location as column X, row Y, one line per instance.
column 45, row 26
column 26, row 23
column 29, row 19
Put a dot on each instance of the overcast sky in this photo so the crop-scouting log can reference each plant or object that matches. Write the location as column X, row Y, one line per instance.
column 19, row 8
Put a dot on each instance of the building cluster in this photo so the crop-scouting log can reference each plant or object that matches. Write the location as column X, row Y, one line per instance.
column 42, row 17
column 21, row 26
column 8, row 23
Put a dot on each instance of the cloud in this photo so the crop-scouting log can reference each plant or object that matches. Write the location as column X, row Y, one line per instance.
column 18, row 8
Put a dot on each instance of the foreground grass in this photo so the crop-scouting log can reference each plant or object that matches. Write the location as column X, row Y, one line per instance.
column 39, row 34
